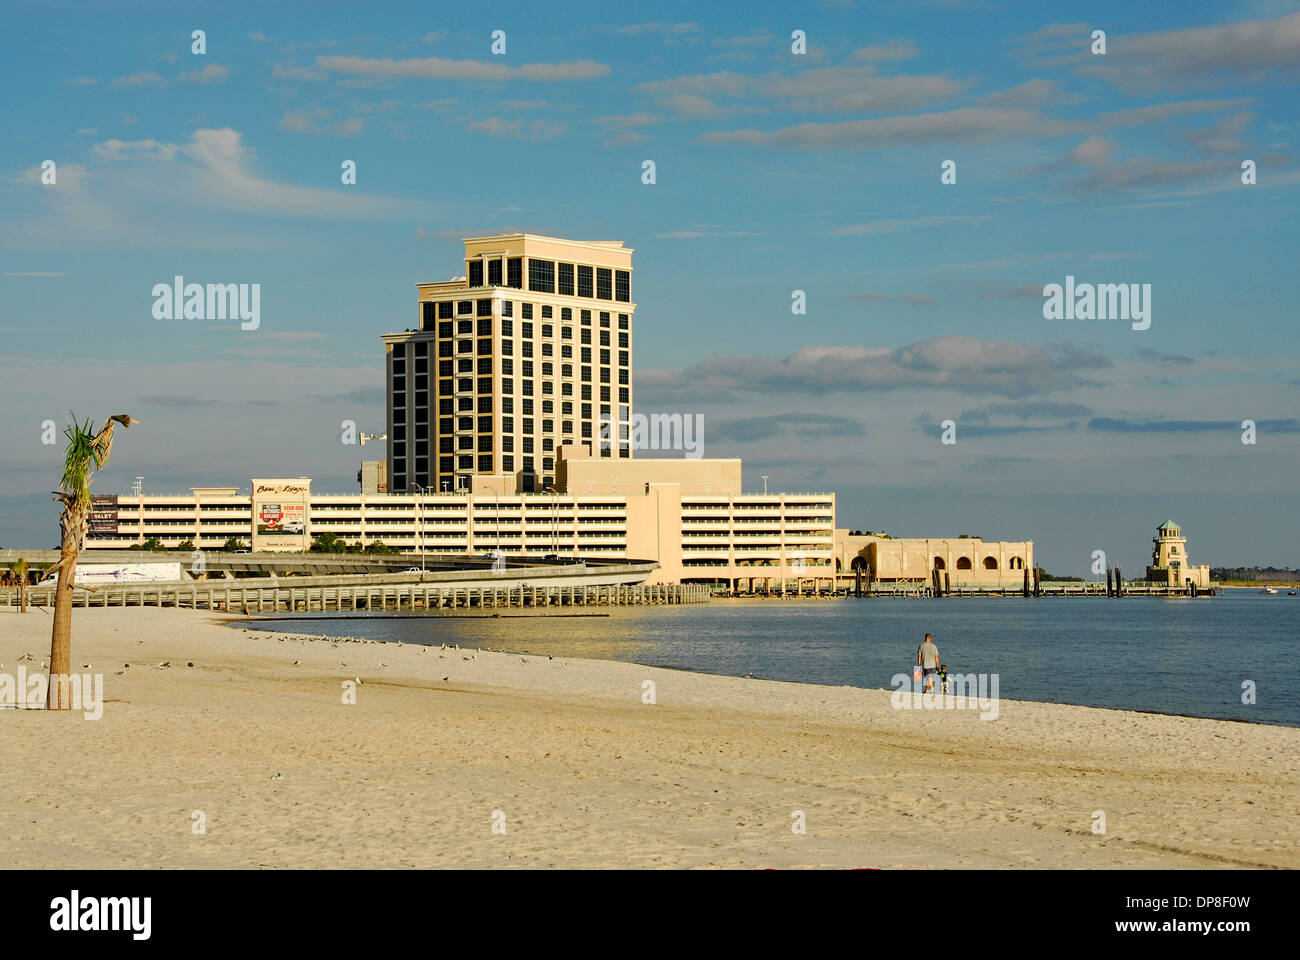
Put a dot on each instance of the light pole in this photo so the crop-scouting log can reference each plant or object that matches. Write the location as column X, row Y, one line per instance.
column 765, row 484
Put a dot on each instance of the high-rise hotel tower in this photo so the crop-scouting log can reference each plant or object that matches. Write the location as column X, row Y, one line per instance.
column 529, row 350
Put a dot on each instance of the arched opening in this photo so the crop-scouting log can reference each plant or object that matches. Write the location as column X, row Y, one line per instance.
column 859, row 563
column 939, row 564
column 963, row 563
column 1017, row 563
column 990, row 563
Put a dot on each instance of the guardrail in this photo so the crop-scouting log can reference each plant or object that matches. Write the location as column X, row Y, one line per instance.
column 368, row 596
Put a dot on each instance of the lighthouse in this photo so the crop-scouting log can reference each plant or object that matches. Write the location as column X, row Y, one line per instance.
column 1169, row 561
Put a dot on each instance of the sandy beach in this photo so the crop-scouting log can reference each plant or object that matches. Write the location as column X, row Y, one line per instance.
column 576, row 771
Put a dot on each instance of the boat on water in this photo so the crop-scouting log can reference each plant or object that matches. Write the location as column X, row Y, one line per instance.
column 1290, row 593
column 1268, row 590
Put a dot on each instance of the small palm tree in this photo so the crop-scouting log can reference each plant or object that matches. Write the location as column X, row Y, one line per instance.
column 18, row 571
column 87, row 451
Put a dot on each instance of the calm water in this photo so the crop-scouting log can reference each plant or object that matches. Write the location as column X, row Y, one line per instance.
column 1168, row 656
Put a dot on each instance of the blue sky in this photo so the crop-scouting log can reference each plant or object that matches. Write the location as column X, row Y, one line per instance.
column 775, row 172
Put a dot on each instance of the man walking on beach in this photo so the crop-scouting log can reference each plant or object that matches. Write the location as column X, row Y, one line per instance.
column 927, row 658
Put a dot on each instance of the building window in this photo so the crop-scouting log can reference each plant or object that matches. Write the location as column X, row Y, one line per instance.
column 428, row 316
column 584, row 281
column 541, row 275
column 507, row 310
column 483, row 308
column 515, row 273
column 485, row 345
column 565, row 279
column 475, row 273
column 464, row 306
column 445, row 328
column 622, row 321
column 604, row 284
column 444, row 310
column 485, row 365
column 494, row 273
column 508, row 464
column 527, row 315
column 622, row 286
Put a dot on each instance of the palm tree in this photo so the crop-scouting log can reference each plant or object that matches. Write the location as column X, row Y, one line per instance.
column 87, row 451
column 18, row 570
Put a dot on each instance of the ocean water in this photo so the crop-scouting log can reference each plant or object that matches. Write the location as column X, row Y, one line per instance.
column 1177, row 656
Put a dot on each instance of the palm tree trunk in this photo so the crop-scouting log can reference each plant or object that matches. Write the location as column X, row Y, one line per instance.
column 59, row 695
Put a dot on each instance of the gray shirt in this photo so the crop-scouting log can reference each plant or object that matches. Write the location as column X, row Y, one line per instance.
column 929, row 655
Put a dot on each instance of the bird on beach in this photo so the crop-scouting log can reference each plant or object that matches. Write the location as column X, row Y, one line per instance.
column 444, row 678
column 296, row 662
column 165, row 663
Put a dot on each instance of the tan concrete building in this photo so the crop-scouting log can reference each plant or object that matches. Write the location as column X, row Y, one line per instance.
column 965, row 560
column 697, row 526
column 1169, row 561
column 526, row 351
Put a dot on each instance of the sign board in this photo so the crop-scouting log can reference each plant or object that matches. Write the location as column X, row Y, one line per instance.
column 280, row 516
column 103, row 516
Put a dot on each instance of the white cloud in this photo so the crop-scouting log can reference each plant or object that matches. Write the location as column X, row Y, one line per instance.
column 440, row 69
column 212, row 73
column 518, row 129
column 146, row 79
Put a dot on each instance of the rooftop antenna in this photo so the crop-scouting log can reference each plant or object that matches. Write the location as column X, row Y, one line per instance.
column 137, row 488
column 765, row 484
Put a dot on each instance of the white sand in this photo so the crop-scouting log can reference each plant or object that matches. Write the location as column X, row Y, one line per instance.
column 587, row 775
